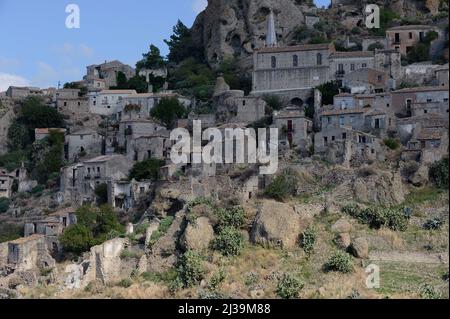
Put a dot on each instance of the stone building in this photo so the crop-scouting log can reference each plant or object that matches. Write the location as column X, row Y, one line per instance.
column 294, row 127
column 442, row 75
column 390, row 62
column 41, row 133
column 108, row 102
column 123, row 194
column 404, row 99
column 366, row 80
column 6, row 184
column 156, row 145
column 82, row 143
column 292, row 72
column 108, row 73
column 15, row 92
column 420, row 73
column 71, row 100
column 53, row 225
column 342, row 63
column 380, row 41
column 402, row 38
column 250, row 109
column 130, row 130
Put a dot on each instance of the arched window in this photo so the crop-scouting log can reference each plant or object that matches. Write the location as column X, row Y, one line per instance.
column 295, row 60
column 274, row 62
column 319, row 59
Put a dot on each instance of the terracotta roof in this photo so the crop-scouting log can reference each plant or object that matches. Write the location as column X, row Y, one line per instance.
column 352, row 54
column 344, row 95
column 131, row 92
column 422, row 89
column 430, row 134
column 47, row 130
column 410, row 27
column 302, row 47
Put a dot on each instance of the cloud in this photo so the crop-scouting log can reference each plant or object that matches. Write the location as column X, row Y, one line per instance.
column 48, row 76
column 199, row 5
column 6, row 63
column 7, row 80
column 69, row 51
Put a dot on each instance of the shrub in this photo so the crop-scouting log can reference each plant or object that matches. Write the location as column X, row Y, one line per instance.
column 168, row 110
column 38, row 189
column 340, row 261
column 233, row 217
column 282, row 186
column 275, row 102
column 125, row 283
column 289, row 287
column 218, row 278
column 146, row 170
column 190, row 268
column 428, row 292
column 229, row 241
column 391, row 143
column 376, row 217
column 10, row 232
column 162, row 229
column 101, row 191
column 439, row 173
column 4, row 204
column 76, row 239
column 433, row 224
column 308, row 240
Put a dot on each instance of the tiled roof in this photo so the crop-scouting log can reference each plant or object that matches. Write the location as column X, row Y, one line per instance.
column 294, row 48
column 24, row 240
column 133, row 92
column 47, row 130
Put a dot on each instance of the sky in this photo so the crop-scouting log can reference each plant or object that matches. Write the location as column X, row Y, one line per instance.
column 37, row 49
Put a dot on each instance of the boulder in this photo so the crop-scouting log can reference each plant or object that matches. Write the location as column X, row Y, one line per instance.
column 197, row 235
column 360, row 248
column 343, row 240
column 341, row 226
column 382, row 188
column 277, row 225
column 421, row 177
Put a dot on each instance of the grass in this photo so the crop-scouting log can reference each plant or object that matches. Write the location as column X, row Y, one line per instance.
column 423, row 195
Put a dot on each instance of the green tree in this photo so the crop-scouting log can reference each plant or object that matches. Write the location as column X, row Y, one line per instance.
column 283, row 185
column 190, row 268
column 4, row 204
column 146, row 170
column 18, row 136
column 168, row 111
column 151, row 59
column 328, row 90
column 76, row 239
column 101, row 191
column 439, row 173
column 181, row 45
column 47, row 156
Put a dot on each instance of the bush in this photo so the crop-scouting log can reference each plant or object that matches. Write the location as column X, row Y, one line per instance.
column 391, row 143
column 229, row 241
column 101, row 191
column 168, row 110
column 125, row 283
column 289, row 287
column 341, row 262
column 428, row 292
column 146, row 170
column 439, row 173
column 218, row 278
column 10, row 232
column 282, row 186
column 232, row 217
column 433, row 224
column 308, row 240
column 4, row 204
column 162, row 230
column 275, row 102
column 76, row 239
column 376, row 217
column 190, row 269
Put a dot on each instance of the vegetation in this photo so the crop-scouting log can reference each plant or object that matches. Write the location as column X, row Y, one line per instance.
column 328, row 90
column 341, row 262
column 95, row 226
column 137, row 82
column 231, row 71
column 151, row 60
column 428, row 292
column 308, row 240
column 376, row 217
column 101, row 191
column 10, row 232
column 387, row 20
column 421, row 51
column 375, row 46
column 275, row 102
column 161, row 231
column 392, row 143
column 433, row 224
column 181, row 45
column 231, row 217
column 77, row 86
column 229, row 241
column 146, row 170
column 168, row 111
column 283, row 186
column 439, row 173
column 190, row 269
column 289, row 286
column 4, row 204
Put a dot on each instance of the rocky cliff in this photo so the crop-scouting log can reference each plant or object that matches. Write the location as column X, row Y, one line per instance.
column 237, row 27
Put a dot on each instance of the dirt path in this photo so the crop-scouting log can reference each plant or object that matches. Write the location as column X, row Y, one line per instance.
column 409, row 257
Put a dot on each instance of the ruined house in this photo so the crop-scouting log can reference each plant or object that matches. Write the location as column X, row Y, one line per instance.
column 342, row 63
column 42, row 133
column 402, row 38
column 130, row 130
column 442, row 75
column 155, row 145
column 367, row 80
column 6, row 184
column 70, row 100
column 108, row 73
column 123, row 194
column 15, row 92
column 107, row 102
column 434, row 97
column 294, row 127
column 81, row 143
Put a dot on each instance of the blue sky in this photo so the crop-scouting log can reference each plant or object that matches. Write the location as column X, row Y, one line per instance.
column 37, row 49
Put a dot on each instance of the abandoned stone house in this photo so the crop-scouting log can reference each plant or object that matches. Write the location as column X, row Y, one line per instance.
column 294, row 127
column 156, row 145
column 250, row 109
column 15, row 92
column 404, row 101
column 342, row 63
column 107, row 102
column 390, row 62
column 123, row 194
column 367, row 81
column 130, row 130
column 342, row 144
column 79, row 181
column 442, row 75
column 292, row 71
column 403, row 38
column 42, row 133
column 71, row 100
column 53, row 225
column 421, row 73
column 369, row 41
column 81, row 143
column 6, row 184
column 108, row 73
column 28, row 253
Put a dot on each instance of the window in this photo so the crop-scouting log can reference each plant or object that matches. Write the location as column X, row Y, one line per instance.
column 425, row 111
column 295, row 60
column 340, row 68
column 333, row 138
column 380, row 78
column 388, row 105
column 429, row 100
column 364, row 65
column 352, row 67
column 329, row 119
column 421, row 35
column 352, row 119
column 410, row 35
column 342, row 120
column 274, row 62
column 79, row 103
column 397, row 38
column 81, row 137
column 244, row 102
column 445, row 99
column 325, row 140
column 319, row 59
column 344, row 136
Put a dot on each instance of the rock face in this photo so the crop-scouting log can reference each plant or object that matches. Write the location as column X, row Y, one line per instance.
column 277, row 225
column 343, row 240
column 341, row 226
column 383, row 188
column 237, row 27
column 197, row 236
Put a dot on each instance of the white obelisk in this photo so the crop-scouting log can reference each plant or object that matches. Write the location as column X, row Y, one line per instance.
column 271, row 40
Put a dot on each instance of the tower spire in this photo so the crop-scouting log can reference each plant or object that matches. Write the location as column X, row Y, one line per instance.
column 271, row 40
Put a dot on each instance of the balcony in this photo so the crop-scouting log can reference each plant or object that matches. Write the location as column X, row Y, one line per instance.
column 340, row 74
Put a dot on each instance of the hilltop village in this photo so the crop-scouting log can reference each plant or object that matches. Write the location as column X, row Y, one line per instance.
column 91, row 204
